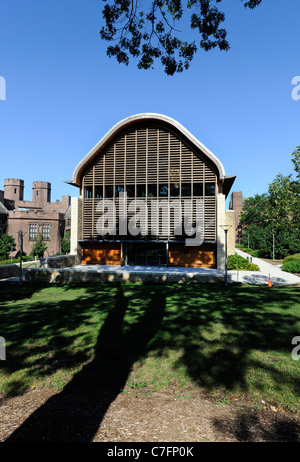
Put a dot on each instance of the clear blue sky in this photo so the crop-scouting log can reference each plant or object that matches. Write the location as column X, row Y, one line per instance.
column 64, row 93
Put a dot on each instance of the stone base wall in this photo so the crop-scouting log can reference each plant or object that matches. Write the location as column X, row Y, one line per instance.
column 9, row 271
column 61, row 261
column 69, row 276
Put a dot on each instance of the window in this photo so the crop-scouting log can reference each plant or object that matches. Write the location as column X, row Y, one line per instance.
column 46, row 232
column 130, row 189
column 186, row 189
column 163, row 190
column 98, row 192
column 152, row 190
column 32, row 231
column 88, row 192
column 210, row 189
column 141, row 190
column 198, row 189
column 174, row 189
column 109, row 191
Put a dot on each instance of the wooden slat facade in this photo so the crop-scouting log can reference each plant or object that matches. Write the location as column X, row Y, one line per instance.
column 143, row 161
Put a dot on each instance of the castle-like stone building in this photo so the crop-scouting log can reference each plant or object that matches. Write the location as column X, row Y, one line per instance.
column 39, row 216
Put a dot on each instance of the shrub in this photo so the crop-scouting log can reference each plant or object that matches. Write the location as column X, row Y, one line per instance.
column 291, row 266
column 7, row 245
column 292, row 258
column 19, row 253
column 236, row 262
column 245, row 249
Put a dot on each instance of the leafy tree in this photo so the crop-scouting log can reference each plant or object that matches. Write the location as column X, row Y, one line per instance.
column 148, row 30
column 7, row 245
column 276, row 212
column 296, row 161
column 39, row 246
column 254, row 210
column 65, row 243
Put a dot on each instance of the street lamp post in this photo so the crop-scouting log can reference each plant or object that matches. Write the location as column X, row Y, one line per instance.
column 20, row 233
column 226, row 228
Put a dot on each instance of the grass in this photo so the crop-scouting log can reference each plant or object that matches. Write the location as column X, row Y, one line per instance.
column 229, row 343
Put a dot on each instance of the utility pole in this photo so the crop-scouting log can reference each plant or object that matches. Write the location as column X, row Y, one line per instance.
column 273, row 246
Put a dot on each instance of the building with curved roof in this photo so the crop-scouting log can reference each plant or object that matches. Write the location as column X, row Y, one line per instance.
column 151, row 194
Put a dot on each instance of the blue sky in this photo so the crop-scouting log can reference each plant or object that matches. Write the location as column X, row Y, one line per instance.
column 63, row 93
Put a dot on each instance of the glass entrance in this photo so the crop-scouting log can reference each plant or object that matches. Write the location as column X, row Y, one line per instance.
column 152, row 254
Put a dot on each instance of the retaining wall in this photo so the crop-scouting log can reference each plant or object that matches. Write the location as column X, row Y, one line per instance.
column 60, row 261
column 9, row 271
column 73, row 276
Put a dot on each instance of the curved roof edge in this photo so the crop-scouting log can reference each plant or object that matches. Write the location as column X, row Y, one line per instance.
column 135, row 118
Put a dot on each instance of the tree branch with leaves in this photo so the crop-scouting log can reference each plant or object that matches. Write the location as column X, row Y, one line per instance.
column 151, row 30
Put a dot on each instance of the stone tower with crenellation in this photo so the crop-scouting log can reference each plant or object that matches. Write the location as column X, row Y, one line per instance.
column 41, row 191
column 13, row 189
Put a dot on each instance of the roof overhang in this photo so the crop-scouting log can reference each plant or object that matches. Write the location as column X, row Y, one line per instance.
column 134, row 119
column 227, row 185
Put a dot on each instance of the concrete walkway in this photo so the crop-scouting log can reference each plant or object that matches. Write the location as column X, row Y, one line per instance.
column 172, row 274
column 277, row 276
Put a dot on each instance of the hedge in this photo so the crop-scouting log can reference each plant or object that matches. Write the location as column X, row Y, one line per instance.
column 236, row 262
column 291, row 264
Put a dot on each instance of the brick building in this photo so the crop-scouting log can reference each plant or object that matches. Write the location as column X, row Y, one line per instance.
column 39, row 216
column 3, row 215
column 236, row 204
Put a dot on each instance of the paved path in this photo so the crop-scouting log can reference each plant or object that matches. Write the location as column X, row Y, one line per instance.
column 261, row 277
column 278, row 277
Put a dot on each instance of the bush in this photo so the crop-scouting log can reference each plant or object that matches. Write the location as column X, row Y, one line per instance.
column 291, row 266
column 245, row 249
column 292, row 258
column 236, row 262
column 16, row 260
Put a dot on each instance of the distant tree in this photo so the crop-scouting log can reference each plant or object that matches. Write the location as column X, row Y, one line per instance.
column 39, row 246
column 275, row 213
column 296, row 161
column 7, row 245
column 65, row 243
column 254, row 210
column 147, row 30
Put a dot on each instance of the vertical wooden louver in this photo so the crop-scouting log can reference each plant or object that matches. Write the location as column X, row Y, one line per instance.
column 147, row 161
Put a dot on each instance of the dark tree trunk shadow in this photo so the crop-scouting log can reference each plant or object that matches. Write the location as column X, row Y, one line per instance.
column 76, row 413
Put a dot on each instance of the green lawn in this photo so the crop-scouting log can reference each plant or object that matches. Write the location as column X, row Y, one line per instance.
column 230, row 342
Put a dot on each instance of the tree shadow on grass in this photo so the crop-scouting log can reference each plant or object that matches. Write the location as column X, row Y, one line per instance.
column 252, row 427
column 215, row 331
column 76, row 413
